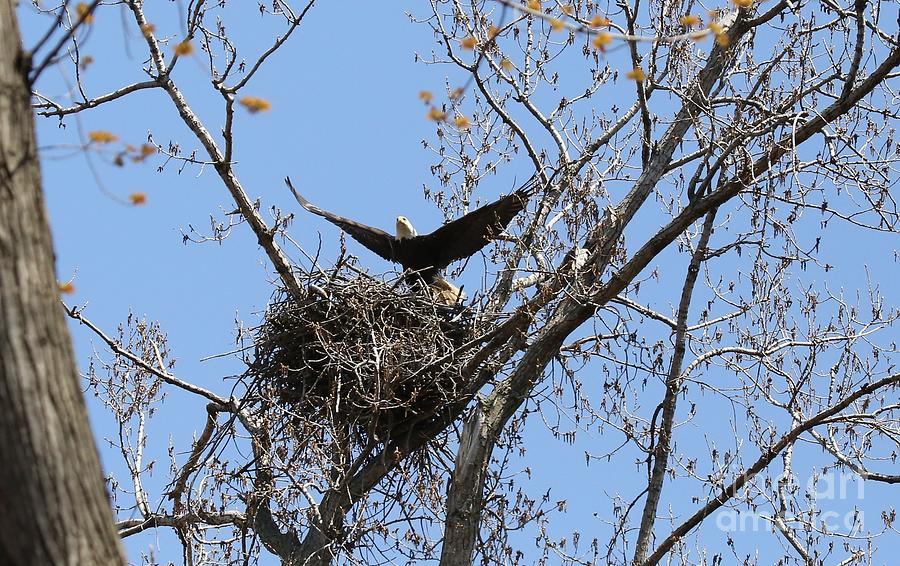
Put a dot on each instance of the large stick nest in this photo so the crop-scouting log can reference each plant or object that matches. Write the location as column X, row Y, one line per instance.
column 364, row 354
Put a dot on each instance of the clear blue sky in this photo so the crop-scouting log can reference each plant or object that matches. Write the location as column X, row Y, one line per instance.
column 347, row 126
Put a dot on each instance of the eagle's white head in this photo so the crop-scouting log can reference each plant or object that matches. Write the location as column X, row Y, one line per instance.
column 405, row 228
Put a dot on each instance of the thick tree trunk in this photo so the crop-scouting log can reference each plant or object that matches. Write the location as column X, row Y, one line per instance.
column 54, row 505
column 466, row 496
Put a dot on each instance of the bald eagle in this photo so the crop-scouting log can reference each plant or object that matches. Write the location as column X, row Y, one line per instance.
column 426, row 256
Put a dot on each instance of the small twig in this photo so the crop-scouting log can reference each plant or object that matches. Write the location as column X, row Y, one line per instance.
column 88, row 12
column 160, row 372
column 212, row 410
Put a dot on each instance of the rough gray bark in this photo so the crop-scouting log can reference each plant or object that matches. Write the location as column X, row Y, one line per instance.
column 663, row 447
column 55, row 508
column 465, row 501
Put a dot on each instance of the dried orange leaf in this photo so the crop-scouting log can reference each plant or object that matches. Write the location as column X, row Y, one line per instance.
column 637, row 74
column 719, row 32
column 66, row 288
column 425, row 96
column 557, row 25
column 743, row 3
column 462, row 123
column 84, row 12
column 184, row 48
column 601, row 40
column 506, row 64
column 457, row 93
column 468, row 42
column 568, row 10
column 137, row 199
column 690, row 20
column 102, row 136
column 436, row 115
column 148, row 29
column 142, row 153
column 534, row 5
column 255, row 104
column 599, row 21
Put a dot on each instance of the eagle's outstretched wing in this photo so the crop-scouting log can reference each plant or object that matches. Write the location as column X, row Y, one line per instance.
column 379, row 241
column 466, row 235
column 427, row 255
